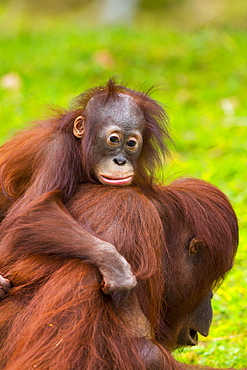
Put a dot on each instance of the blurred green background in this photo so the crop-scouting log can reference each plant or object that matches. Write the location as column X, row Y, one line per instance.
column 196, row 51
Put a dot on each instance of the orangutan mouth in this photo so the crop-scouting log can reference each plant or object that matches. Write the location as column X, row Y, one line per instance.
column 116, row 181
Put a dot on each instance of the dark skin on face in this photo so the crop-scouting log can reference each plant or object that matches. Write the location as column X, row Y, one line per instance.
column 118, row 143
column 198, row 321
column 189, row 250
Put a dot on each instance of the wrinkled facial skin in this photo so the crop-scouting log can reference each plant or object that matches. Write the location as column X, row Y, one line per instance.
column 198, row 322
column 118, row 142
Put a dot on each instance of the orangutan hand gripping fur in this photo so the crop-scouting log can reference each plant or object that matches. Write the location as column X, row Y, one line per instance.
column 56, row 317
column 112, row 135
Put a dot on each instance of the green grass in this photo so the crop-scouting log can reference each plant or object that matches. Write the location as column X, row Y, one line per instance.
column 203, row 79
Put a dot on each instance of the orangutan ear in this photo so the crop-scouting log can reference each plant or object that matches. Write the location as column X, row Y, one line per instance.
column 78, row 129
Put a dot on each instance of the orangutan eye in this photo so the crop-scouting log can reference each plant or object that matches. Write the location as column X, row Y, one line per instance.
column 113, row 139
column 132, row 143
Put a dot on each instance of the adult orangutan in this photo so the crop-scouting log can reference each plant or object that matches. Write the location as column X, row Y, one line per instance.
column 112, row 135
column 180, row 243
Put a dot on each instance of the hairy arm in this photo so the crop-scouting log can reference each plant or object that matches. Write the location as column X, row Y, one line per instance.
column 38, row 223
column 44, row 226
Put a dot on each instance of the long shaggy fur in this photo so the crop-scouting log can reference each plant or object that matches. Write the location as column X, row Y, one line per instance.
column 41, row 168
column 57, row 316
column 47, row 156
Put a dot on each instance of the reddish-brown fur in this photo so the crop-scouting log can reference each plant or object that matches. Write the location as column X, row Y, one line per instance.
column 193, row 208
column 57, row 316
column 25, row 159
column 41, row 168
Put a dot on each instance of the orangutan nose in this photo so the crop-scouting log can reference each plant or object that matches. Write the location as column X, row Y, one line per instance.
column 120, row 160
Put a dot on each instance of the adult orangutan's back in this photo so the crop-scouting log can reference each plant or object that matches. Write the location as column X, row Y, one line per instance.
column 57, row 315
